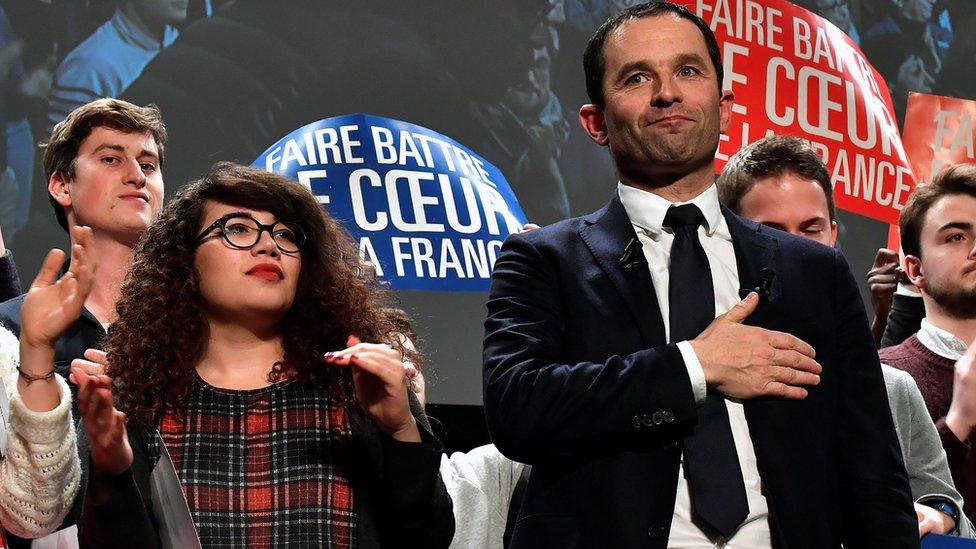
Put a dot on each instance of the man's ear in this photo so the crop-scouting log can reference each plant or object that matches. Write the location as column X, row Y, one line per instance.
column 57, row 187
column 914, row 271
column 594, row 124
column 833, row 234
column 725, row 103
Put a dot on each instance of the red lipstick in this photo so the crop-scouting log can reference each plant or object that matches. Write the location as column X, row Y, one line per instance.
column 266, row 271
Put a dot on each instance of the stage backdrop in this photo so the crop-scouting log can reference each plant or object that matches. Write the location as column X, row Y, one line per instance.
column 434, row 128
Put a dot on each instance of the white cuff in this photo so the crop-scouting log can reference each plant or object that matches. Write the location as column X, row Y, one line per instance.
column 695, row 372
column 46, row 427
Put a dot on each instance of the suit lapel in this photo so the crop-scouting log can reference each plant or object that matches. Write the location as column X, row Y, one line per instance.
column 607, row 234
column 768, row 418
column 754, row 251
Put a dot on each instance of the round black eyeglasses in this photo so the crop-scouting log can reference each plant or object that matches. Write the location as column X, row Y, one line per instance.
column 243, row 232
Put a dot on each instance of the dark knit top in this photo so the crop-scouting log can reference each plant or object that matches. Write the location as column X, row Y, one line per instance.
column 904, row 319
column 933, row 374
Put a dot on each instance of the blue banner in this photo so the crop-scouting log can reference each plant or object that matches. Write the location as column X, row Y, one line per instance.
column 428, row 212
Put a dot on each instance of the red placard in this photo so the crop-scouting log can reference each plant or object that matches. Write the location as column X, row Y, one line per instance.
column 796, row 73
column 938, row 133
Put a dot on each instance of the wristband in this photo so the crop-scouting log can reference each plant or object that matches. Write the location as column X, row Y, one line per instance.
column 946, row 506
column 30, row 378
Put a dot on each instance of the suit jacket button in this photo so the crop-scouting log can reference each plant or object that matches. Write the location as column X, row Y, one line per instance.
column 657, row 418
column 657, row 531
column 636, row 422
column 647, row 420
column 668, row 416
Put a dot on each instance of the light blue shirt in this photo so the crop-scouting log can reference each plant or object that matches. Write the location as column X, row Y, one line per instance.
column 104, row 65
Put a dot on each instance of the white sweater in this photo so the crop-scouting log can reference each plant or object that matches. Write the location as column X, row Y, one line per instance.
column 480, row 483
column 40, row 470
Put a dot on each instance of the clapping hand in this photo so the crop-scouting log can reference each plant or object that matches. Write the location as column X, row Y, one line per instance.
column 95, row 363
column 110, row 449
column 883, row 279
column 380, row 380
column 51, row 306
column 961, row 418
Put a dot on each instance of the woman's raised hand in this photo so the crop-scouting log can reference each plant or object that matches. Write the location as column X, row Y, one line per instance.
column 380, row 380
column 110, row 449
column 51, row 306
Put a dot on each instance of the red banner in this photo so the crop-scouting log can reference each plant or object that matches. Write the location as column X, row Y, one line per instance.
column 796, row 73
column 938, row 133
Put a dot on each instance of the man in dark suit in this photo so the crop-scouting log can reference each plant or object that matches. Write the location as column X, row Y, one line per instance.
column 649, row 421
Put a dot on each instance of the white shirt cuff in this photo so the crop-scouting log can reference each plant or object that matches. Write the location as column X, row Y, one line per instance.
column 695, row 372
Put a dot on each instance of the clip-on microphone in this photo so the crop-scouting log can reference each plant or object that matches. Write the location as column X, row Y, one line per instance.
column 763, row 287
column 633, row 255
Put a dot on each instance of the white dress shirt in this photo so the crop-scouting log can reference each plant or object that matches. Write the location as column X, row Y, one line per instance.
column 646, row 212
column 940, row 342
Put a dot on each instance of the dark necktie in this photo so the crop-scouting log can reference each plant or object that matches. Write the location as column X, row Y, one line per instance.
column 718, row 494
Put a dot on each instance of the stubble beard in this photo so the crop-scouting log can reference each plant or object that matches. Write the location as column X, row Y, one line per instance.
column 957, row 302
column 646, row 157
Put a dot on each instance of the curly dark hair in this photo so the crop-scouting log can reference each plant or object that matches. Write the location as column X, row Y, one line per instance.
column 161, row 332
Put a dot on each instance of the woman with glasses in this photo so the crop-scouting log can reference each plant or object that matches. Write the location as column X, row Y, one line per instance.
column 246, row 354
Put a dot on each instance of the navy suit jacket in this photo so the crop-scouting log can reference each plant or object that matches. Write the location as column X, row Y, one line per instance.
column 580, row 383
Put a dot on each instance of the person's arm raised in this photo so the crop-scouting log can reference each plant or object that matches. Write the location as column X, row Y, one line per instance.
column 882, row 282
column 49, row 308
column 380, row 382
column 111, row 453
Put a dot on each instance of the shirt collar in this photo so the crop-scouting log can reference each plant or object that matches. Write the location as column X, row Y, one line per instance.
column 130, row 33
column 940, row 342
column 647, row 210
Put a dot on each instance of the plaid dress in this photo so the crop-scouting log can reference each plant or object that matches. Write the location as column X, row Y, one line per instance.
column 266, row 467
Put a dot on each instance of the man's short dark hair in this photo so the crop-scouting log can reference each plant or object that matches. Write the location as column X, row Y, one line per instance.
column 772, row 157
column 61, row 150
column 594, row 62
column 954, row 180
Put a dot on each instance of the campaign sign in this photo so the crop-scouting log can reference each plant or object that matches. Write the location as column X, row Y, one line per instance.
column 939, row 132
column 795, row 73
column 427, row 212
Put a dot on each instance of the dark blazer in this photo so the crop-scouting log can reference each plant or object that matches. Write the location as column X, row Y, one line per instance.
column 580, row 382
